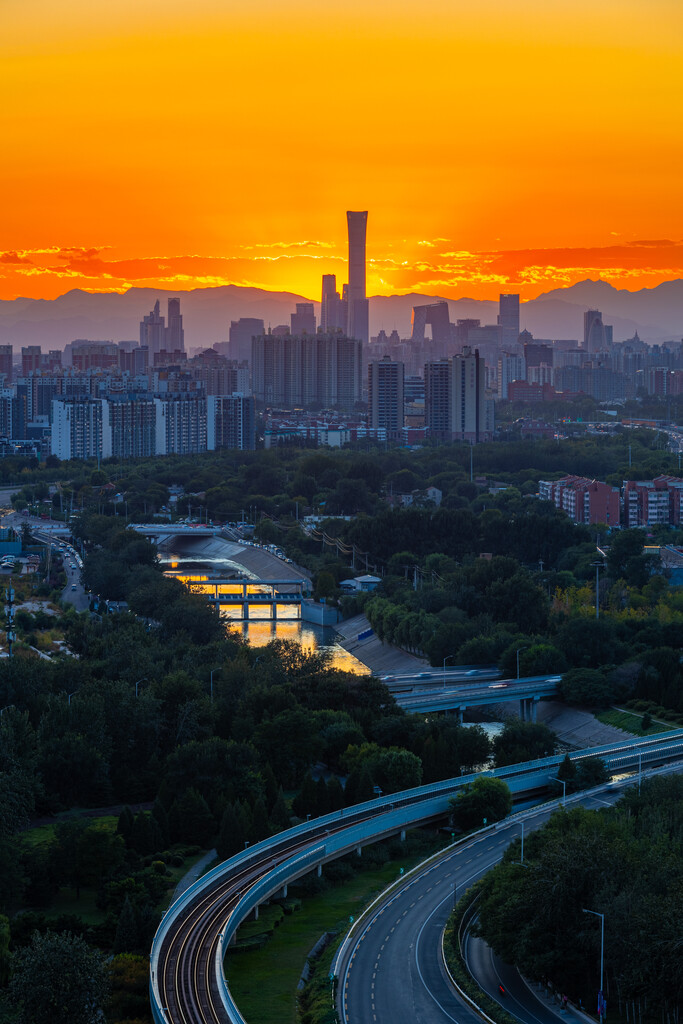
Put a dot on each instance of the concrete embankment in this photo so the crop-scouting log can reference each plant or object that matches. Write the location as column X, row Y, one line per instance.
column 381, row 659
column 575, row 727
column 578, row 728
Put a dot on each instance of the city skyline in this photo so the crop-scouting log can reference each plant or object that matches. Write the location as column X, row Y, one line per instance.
column 498, row 147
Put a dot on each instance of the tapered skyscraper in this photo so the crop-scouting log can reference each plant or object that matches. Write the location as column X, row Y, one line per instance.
column 358, row 318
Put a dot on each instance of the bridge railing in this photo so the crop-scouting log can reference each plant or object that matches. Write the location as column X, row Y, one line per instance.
column 260, row 891
column 390, row 813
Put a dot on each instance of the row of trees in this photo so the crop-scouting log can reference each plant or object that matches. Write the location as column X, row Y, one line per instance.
column 223, row 484
column 624, row 863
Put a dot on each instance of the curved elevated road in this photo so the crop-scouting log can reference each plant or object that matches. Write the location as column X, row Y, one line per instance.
column 187, row 984
column 393, row 969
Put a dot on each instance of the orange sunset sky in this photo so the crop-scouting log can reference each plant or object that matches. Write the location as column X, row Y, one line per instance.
column 498, row 145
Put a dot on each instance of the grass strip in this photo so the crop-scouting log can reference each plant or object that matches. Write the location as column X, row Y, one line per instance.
column 631, row 721
column 263, row 982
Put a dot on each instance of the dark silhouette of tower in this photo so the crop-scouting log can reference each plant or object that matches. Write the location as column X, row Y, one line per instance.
column 153, row 330
column 303, row 321
column 508, row 318
column 175, row 335
column 436, row 315
column 331, row 318
column 358, row 316
column 597, row 336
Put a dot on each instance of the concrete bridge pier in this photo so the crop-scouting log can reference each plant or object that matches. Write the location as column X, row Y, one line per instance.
column 527, row 709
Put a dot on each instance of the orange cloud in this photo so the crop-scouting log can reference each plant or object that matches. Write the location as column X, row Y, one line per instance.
column 453, row 273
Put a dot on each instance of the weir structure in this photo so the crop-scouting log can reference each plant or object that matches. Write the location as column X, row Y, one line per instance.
column 251, row 595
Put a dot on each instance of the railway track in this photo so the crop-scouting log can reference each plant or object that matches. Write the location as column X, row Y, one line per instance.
column 187, row 985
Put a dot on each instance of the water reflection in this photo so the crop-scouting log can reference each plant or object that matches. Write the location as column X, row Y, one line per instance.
column 310, row 636
column 262, row 629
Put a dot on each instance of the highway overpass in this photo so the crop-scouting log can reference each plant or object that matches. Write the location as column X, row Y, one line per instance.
column 423, row 696
column 186, row 962
column 527, row 692
column 159, row 532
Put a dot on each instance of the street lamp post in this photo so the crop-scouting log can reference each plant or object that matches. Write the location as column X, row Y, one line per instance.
column 448, row 658
column 519, row 651
column 598, row 567
column 522, row 853
column 70, row 696
column 554, row 778
column 601, row 994
column 143, row 680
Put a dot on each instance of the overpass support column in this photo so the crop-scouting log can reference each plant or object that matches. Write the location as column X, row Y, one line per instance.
column 358, row 851
column 245, row 611
column 524, row 709
column 533, row 707
column 320, row 870
column 403, row 835
column 274, row 612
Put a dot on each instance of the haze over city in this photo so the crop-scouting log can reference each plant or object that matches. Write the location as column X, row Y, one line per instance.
column 499, row 147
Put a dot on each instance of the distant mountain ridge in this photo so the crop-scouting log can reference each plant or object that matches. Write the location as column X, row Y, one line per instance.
column 656, row 313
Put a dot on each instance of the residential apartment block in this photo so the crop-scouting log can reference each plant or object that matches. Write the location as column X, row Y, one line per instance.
column 584, row 501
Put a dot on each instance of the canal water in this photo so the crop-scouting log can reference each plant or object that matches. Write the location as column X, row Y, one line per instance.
column 261, row 631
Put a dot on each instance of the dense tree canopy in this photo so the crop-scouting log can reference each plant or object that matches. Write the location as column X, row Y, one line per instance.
column 625, row 863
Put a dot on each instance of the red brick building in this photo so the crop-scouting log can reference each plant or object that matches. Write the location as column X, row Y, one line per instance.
column 584, row 501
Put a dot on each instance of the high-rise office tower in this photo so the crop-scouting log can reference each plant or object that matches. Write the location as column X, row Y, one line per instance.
column 385, row 396
column 175, row 335
column 508, row 318
column 462, row 330
column 436, row 315
column 438, row 399
column 510, row 367
column 241, row 333
column 468, row 397
column 153, row 330
column 303, row 321
column 331, row 317
column 537, row 353
column 6, row 363
column 596, row 335
column 358, row 313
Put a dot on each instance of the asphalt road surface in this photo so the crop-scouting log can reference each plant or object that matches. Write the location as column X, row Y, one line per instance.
column 396, row 972
column 40, row 529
